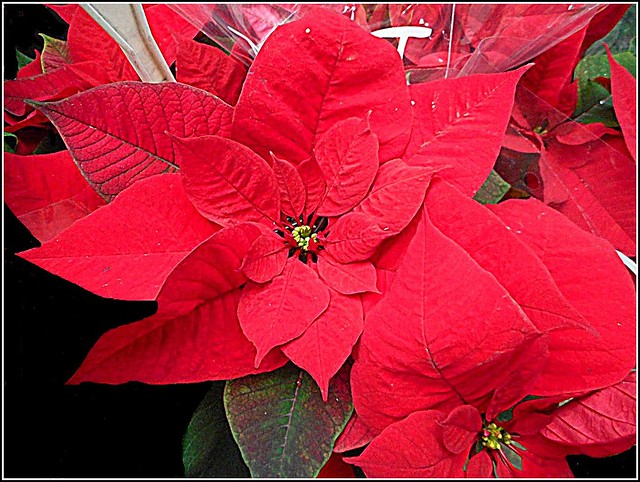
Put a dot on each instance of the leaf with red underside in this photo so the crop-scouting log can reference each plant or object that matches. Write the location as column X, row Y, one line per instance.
column 396, row 194
column 418, row 350
column 292, row 189
column 591, row 277
column 116, row 133
column 341, row 71
column 593, row 185
column 227, row 182
column 354, row 237
column 459, row 126
column 195, row 335
column 600, row 424
column 210, row 69
column 315, row 185
column 274, row 313
column 348, row 157
column 411, row 448
column 126, row 249
column 266, row 258
column 623, row 90
column 347, row 278
column 327, row 343
column 355, row 435
column 47, row 192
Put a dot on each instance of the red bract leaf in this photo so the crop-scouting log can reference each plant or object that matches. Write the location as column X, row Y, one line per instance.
column 594, row 281
column 599, row 425
column 574, row 134
column 594, row 186
column 116, row 133
column 32, row 68
column 460, row 428
column 459, row 125
column 274, row 313
column 292, row 190
column 168, row 29
column 602, row 23
column 340, row 71
column 65, row 11
column 396, row 195
column 336, row 468
column 354, row 237
column 355, row 435
column 314, row 183
column 227, row 182
column 411, row 448
column 266, row 258
column 347, row 278
column 210, row 69
column 348, row 157
column 47, row 192
column 55, row 54
column 60, row 83
column 623, row 90
column 327, row 343
column 103, row 254
column 460, row 332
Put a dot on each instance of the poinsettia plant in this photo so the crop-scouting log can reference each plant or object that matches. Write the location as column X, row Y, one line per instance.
column 352, row 239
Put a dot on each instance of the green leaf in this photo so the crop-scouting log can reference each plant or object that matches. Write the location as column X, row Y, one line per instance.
column 622, row 36
column 281, row 424
column 10, row 142
column 598, row 65
column 513, row 458
column 208, row 448
column 505, row 416
column 518, row 445
column 492, row 190
column 55, row 53
column 22, row 59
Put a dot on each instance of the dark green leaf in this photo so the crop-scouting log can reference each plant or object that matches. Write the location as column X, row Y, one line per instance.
column 598, row 66
column 492, row 190
column 622, row 36
column 208, row 448
column 513, row 458
column 22, row 59
column 518, row 445
column 281, row 424
column 10, row 142
column 505, row 416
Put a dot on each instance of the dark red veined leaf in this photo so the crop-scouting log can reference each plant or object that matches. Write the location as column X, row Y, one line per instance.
column 116, row 133
column 210, row 69
column 227, row 182
column 195, row 335
column 57, row 84
column 411, row 448
column 354, row 237
column 451, row 132
column 276, row 417
column 460, row 335
column 47, row 192
column 593, row 185
column 600, row 424
column 460, row 428
column 604, row 296
column 396, row 195
column 315, row 185
column 55, row 54
column 32, row 69
column 266, row 258
column 276, row 312
column 347, row 278
column 126, row 249
column 168, row 29
column 340, row 71
column 292, row 189
column 623, row 90
column 355, row 435
column 336, row 468
column 602, row 23
column 348, row 157
column 327, row 343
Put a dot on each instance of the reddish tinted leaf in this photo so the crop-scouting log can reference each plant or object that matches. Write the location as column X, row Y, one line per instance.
column 459, row 125
column 599, row 425
column 210, row 69
column 126, row 249
column 592, row 278
column 411, row 448
column 265, row 258
column 32, row 69
column 327, row 343
column 541, row 460
column 461, row 427
column 314, row 183
column 47, row 192
column 435, row 360
column 274, row 313
column 336, row 468
column 594, row 186
column 227, row 182
column 55, row 54
column 348, row 157
column 340, row 71
column 396, row 195
column 347, row 278
column 355, row 435
column 292, row 190
column 354, row 237
column 623, row 90
column 116, row 133
column 574, row 133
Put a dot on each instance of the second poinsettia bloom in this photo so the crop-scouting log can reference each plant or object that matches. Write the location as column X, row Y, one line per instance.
column 321, row 221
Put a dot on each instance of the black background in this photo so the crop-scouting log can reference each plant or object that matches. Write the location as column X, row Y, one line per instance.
column 90, row 430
